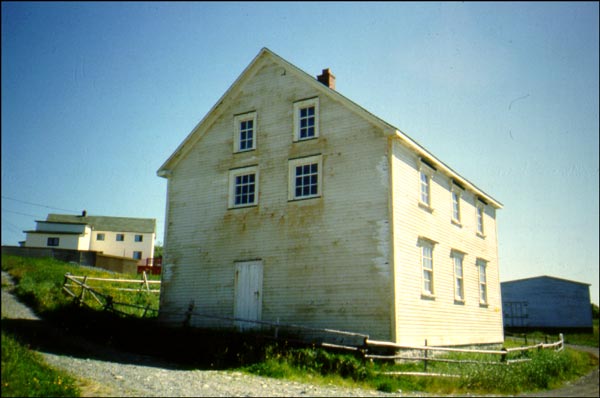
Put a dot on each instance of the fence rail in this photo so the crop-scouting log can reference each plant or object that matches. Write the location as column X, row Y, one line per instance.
column 364, row 346
column 425, row 358
column 74, row 282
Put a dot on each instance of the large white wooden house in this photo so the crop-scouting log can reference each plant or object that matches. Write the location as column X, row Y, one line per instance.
column 116, row 236
column 288, row 202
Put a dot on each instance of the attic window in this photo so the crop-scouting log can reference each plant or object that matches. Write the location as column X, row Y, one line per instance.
column 244, row 127
column 306, row 119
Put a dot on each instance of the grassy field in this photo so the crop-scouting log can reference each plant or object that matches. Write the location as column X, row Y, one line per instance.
column 39, row 283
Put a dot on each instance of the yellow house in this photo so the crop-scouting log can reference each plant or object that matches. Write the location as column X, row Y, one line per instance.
column 290, row 203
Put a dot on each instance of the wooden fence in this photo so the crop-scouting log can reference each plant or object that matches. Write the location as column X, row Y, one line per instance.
column 78, row 287
column 503, row 355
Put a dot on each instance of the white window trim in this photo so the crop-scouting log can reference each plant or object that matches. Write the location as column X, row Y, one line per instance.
column 238, row 172
column 303, row 104
column 481, row 263
column 457, row 255
column 454, row 190
column 427, row 243
column 480, row 207
column 428, row 171
column 293, row 163
column 237, row 119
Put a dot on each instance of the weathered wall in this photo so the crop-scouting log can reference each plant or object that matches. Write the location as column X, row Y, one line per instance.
column 80, row 257
column 326, row 260
column 440, row 319
column 122, row 265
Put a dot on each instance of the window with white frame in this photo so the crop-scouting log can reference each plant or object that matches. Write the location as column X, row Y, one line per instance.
column 459, row 280
column 425, row 188
column 53, row 241
column 456, row 194
column 244, row 132
column 139, row 238
column 305, row 177
column 425, row 177
column 306, row 119
column 482, row 266
column 137, row 255
column 480, row 227
column 243, row 187
column 427, row 266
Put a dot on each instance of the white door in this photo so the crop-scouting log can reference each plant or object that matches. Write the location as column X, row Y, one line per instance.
column 248, row 293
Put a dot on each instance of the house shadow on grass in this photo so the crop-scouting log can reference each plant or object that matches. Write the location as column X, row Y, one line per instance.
column 85, row 333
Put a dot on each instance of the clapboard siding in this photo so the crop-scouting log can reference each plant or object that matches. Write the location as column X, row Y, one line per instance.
column 325, row 264
column 346, row 260
column 551, row 302
column 441, row 320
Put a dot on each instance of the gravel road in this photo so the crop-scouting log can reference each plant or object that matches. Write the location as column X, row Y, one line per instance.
column 119, row 374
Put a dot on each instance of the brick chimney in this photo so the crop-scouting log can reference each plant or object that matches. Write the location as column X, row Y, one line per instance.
column 327, row 78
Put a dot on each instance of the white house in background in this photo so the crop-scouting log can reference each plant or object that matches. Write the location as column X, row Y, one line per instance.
column 288, row 202
column 116, row 236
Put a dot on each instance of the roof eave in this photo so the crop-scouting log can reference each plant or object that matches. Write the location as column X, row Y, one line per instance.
column 446, row 169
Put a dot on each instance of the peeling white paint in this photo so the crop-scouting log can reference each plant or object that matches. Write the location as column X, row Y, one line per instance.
column 383, row 167
column 382, row 236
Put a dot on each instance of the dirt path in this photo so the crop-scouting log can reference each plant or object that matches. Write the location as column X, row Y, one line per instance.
column 106, row 372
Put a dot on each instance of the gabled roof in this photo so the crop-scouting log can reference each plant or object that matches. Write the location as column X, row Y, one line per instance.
column 102, row 223
column 544, row 277
column 265, row 54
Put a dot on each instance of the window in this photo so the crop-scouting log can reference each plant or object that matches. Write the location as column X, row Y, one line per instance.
column 456, row 206
column 243, row 187
column 137, row 255
column 480, row 230
column 139, row 238
column 244, row 132
column 426, row 171
column 53, row 241
column 305, row 178
column 427, row 266
column 120, row 237
column 459, row 281
column 100, row 236
column 306, row 119
column 481, row 266
column 425, row 188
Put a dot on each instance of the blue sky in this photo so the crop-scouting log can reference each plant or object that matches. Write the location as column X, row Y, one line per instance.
column 96, row 96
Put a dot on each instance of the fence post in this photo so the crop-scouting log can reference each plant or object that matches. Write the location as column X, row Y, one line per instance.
column 425, row 358
column 503, row 356
column 562, row 341
column 277, row 329
column 82, row 295
column 109, row 304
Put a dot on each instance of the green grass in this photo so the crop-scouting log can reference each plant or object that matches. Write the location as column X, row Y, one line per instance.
column 547, row 369
column 25, row 374
column 40, row 282
column 589, row 339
